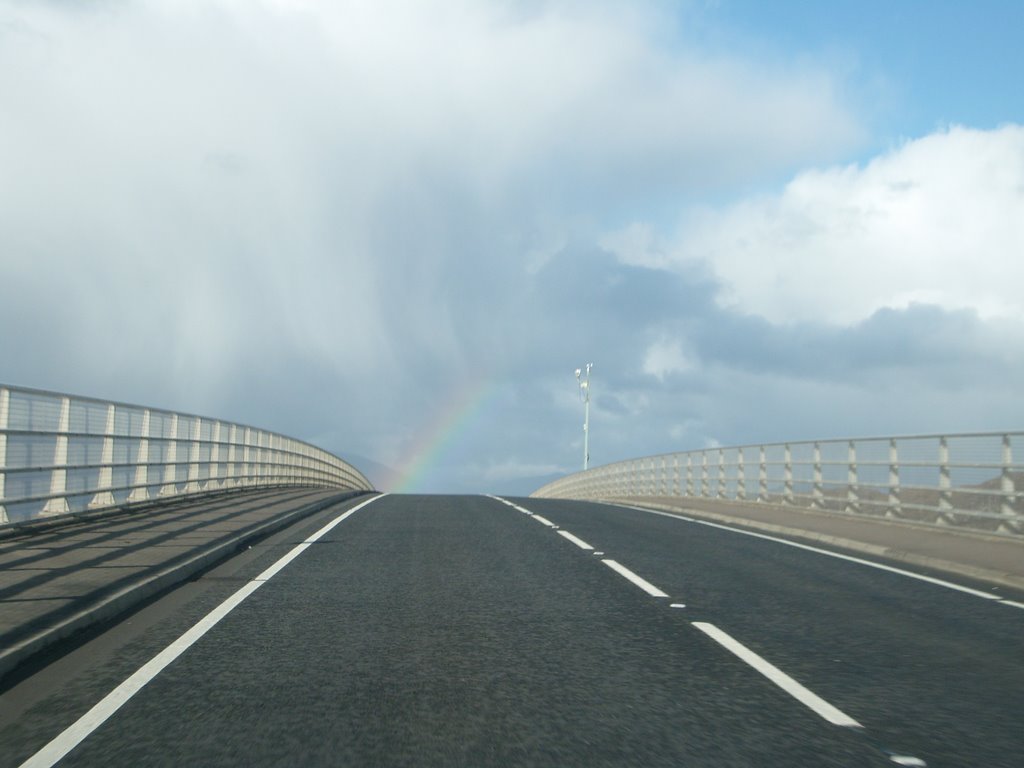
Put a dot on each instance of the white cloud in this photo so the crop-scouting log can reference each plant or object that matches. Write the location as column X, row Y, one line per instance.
column 665, row 357
column 636, row 245
column 939, row 220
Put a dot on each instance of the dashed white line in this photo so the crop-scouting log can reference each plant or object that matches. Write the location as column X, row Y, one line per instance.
column 575, row 540
column 917, row 762
column 78, row 731
column 622, row 570
column 645, row 585
column 820, row 551
column 1011, row 603
column 777, row 676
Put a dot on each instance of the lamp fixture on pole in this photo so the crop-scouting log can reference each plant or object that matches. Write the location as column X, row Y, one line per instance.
column 584, row 383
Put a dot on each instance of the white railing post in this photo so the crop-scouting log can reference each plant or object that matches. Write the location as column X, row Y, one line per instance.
column 1006, row 484
column 852, row 496
column 689, row 475
column 818, row 495
column 170, row 485
column 762, row 474
column 787, row 476
column 104, row 498
column 675, row 474
column 261, row 457
column 945, row 481
column 213, row 480
column 5, row 410
column 195, row 448
column 141, row 492
column 59, row 474
column 721, row 474
column 247, row 457
column 741, row 477
column 230, row 475
column 705, row 490
column 895, row 509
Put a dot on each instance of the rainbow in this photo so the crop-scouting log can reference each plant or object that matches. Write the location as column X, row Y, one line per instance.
column 453, row 420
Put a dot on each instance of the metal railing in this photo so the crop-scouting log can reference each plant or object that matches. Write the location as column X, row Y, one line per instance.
column 968, row 480
column 62, row 454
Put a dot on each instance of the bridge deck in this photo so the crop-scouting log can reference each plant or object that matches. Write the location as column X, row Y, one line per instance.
column 466, row 631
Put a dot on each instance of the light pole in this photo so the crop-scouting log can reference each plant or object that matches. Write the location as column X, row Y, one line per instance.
column 585, row 394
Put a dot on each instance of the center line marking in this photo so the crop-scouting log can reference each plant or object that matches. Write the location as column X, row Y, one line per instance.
column 577, row 541
column 777, row 676
column 645, row 585
column 79, row 731
column 544, row 520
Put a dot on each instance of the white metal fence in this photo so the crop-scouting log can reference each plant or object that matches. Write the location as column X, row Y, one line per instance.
column 969, row 480
column 61, row 454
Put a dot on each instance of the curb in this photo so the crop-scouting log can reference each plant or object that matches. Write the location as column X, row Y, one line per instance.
column 148, row 585
column 998, row 578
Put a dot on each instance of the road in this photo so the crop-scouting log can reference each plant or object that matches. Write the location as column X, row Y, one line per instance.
column 475, row 631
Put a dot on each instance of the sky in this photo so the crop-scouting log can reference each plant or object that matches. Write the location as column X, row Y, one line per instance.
column 396, row 228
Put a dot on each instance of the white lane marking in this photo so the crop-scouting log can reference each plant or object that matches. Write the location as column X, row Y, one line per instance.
column 1013, row 603
column 78, row 731
column 907, row 760
column 678, row 605
column 645, row 585
column 577, row 541
column 820, row 551
column 598, row 553
column 544, row 520
column 777, row 676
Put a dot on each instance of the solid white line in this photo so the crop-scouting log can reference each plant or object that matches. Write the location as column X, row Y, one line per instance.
column 578, row 542
column 1012, row 603
column 645, row 585
column 777, row 676
column 292, row 554
column 820, row 551
column 544, row 520
column 78, row 731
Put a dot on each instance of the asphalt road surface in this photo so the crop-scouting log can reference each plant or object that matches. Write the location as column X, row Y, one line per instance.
column 466, row 631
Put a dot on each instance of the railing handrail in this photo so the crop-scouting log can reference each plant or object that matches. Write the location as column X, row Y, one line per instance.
column 201, row 454
column 151, row 409
column 834, row 474
column 822, row 441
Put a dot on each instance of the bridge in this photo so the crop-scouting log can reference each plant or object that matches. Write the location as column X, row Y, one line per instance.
column 178, row 590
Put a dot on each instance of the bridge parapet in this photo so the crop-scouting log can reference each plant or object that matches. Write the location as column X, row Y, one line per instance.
column 62, row 454
column 970, row 480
